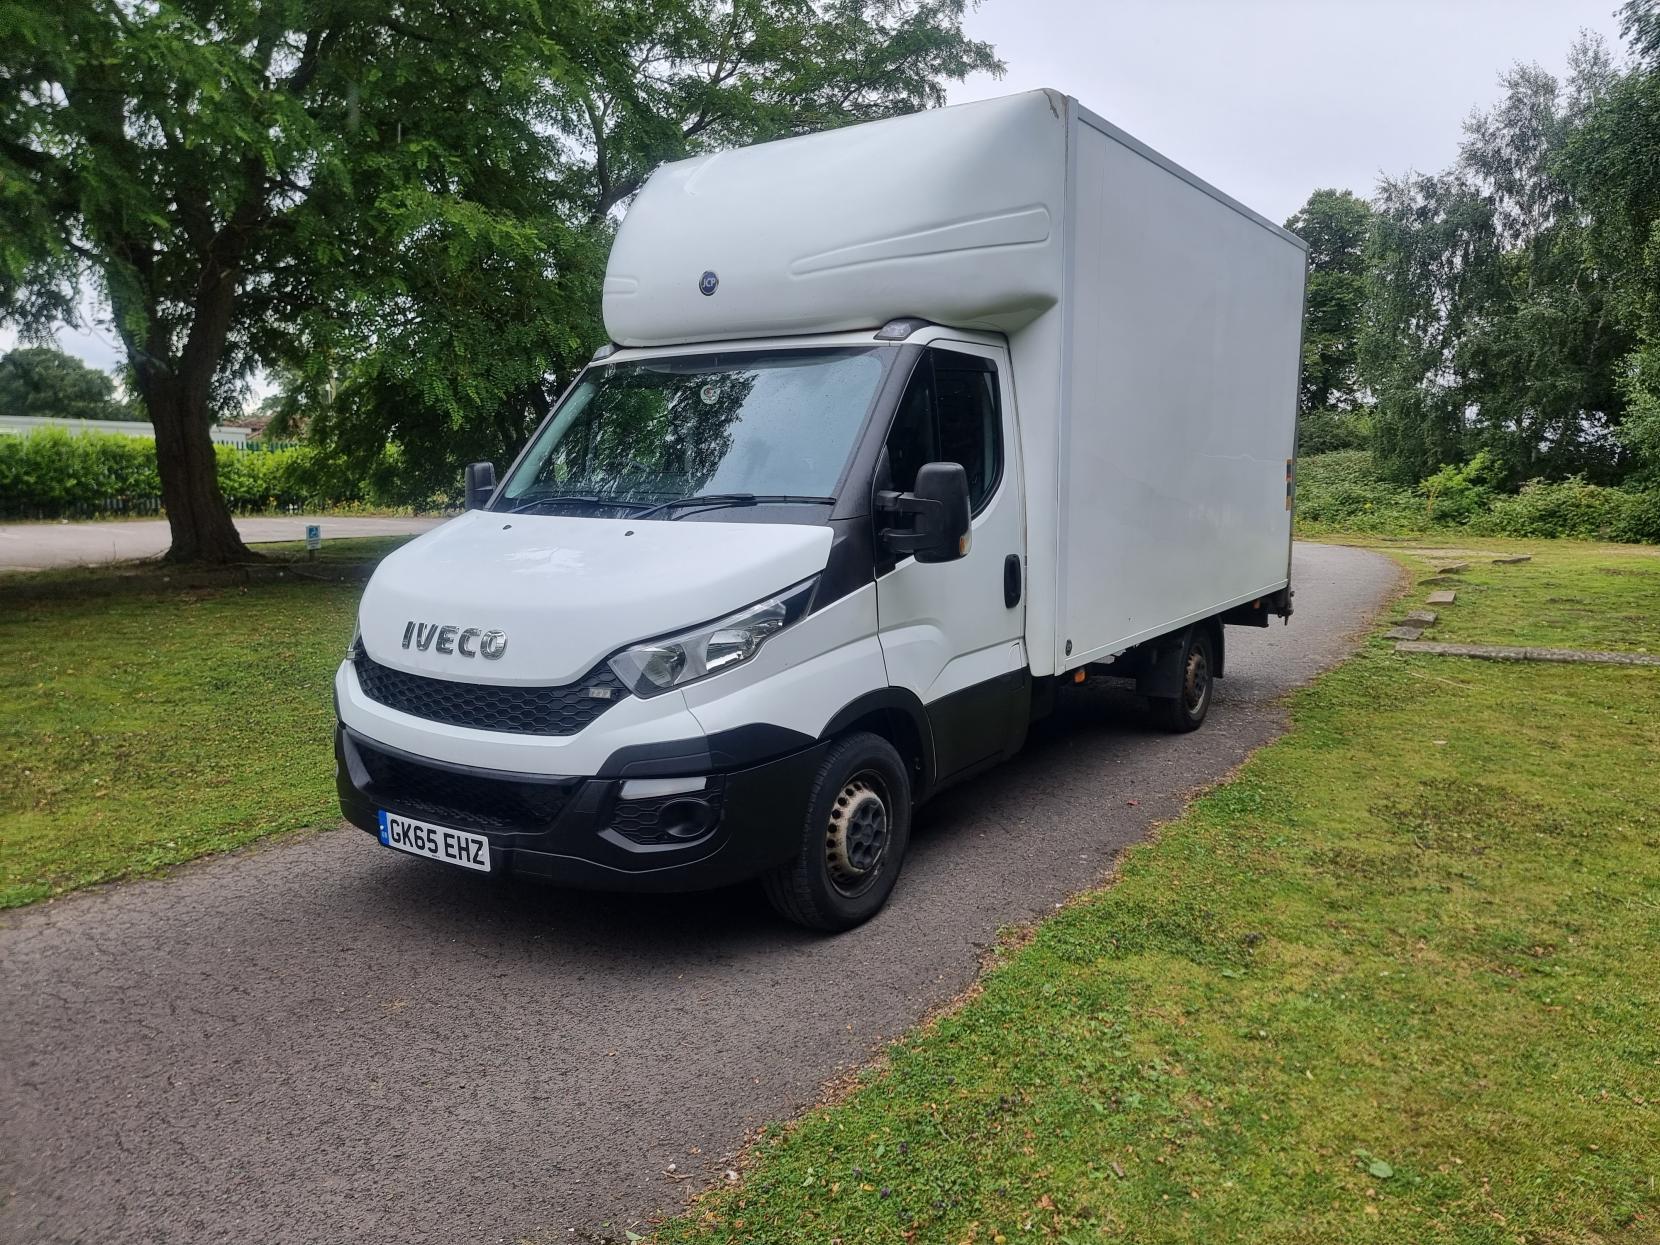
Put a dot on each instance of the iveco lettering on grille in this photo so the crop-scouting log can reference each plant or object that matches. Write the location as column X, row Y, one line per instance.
column 468, row 641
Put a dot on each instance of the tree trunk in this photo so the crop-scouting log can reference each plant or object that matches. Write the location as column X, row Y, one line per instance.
column 200, row 520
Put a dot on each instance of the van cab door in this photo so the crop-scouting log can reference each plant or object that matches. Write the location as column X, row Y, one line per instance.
column 952, row 632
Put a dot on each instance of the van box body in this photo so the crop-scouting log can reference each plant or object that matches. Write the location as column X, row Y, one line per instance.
column 1154, row 329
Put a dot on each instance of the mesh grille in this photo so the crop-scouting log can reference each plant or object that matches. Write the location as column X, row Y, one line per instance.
column 644, row 822
column 490, row 707
column 463, row 799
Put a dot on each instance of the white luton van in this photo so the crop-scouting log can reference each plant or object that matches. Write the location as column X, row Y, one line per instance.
column 902, row 426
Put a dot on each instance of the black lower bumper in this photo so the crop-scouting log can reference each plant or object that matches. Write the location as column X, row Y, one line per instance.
column 578, row 831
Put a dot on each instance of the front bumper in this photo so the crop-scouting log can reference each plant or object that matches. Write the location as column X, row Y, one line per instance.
column 577, row 831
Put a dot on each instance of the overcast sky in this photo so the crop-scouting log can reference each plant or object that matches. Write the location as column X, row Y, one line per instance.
column 1267, row 99
column 1270, row 99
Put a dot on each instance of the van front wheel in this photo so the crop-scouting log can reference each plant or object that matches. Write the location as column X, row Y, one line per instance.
column 853, row 841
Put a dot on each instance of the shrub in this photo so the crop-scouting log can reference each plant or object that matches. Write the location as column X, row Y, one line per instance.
column 1344, row 490
column 1574, row 507
column 1329, row 431
column 52, row 473
column 1456, row 494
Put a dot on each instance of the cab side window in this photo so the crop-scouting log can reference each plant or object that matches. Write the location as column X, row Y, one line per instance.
column 914, row 439
column 950, row 413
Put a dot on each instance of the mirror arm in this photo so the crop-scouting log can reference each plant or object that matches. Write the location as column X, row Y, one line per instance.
column 903, row 542
column 906, row 503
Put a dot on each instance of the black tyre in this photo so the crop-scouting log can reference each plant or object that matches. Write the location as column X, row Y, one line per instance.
column 853, row 840
column 1186, row 712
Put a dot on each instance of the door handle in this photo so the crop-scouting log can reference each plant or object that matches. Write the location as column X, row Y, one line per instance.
column 1011, row 581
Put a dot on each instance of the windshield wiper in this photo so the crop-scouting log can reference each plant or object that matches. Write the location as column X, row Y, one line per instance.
column 572, row 499
column 733, row 499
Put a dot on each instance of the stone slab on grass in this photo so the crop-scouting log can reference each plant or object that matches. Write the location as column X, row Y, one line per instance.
column 1500, row 652
column 1513, row 560
column 1420, row 618
column 1452, row 568
column 1403, row 632
column 1445, row 597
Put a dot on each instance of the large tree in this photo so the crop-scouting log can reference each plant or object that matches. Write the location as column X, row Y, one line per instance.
column 405, row 204
column 1430, row 260
column 47, row 383
column 455, row 355
column 223, row 172
column 1488, row 325
column 1612, row 163
column 1335, row 224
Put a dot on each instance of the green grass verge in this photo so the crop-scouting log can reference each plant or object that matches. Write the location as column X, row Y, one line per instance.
column 1571, row 595
column 334, row 549
column 1396, row 981
column 143, row 730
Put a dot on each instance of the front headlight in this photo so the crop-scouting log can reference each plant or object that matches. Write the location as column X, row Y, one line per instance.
column 674, row 661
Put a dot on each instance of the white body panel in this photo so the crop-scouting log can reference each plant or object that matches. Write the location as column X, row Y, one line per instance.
column 953, row 215
column 1178, row 420
column 570, row 591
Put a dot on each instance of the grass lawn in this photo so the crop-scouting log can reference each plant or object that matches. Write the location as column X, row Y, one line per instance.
column 143, row 729
column 1397, row 981
column 334, row 549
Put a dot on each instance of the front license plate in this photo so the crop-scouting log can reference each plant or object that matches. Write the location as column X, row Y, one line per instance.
column 420, row 838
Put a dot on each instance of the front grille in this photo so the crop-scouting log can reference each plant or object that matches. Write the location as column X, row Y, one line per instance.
column 492, row 707
column 463, row 800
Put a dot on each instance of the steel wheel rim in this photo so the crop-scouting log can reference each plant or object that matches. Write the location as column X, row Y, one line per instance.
column 857, row 834
column 1196, row 686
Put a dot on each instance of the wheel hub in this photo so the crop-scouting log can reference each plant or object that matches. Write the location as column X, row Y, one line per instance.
column 856, row 837
column 1197, row 684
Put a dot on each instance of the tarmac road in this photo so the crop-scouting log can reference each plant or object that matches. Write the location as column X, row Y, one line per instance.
column 326, row 1041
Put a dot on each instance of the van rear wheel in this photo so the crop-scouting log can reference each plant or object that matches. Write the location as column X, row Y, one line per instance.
column 1186, row 711
column 853, row 840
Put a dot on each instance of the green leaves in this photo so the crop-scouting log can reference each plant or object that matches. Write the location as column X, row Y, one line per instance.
column 475, row 293
column 1507, row 299
column 1334, row 223
column 404, row 213
column 43, row 382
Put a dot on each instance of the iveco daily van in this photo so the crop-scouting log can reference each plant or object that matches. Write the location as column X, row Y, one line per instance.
column 901, row 426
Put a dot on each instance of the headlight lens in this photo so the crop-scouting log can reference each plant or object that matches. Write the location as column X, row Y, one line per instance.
column 674, row 661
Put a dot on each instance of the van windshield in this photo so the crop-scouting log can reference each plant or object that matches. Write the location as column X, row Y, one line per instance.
column 734, row 428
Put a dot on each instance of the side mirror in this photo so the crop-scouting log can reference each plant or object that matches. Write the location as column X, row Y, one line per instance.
column 939, row 511
column 481, row 482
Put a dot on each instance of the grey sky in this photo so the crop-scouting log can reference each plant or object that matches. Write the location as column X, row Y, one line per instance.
column 1268, row 99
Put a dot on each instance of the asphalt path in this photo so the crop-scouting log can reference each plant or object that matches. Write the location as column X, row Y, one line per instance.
column 40, row 546
column 322, row 1040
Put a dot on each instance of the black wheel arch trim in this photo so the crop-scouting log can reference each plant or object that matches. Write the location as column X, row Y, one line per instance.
column 909, row 705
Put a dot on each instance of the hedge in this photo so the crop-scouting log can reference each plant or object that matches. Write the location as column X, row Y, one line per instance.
column 51, row 474
column 1343, row 492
